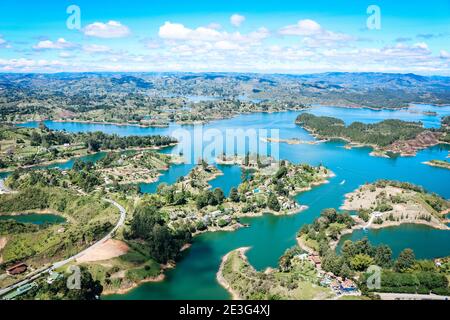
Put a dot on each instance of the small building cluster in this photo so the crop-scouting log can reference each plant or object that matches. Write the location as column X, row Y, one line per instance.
column 339, row 285
column 219, row 218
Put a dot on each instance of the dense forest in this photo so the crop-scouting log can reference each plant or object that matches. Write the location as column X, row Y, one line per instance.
column 381, row 134
column 98, row 140
column 164, row 244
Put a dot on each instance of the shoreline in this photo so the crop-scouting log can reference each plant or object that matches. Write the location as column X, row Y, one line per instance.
column 134, row 285
column 64, row 160
column 366, row 200
column 221, row 279
column 94, row 122
column 239, row 225
column 390, row 224
column 377, row 151
column 437, row 165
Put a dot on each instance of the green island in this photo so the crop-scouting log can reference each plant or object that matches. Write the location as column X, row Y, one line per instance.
column 385, row 137
column 387, row 203
column 314, row 270
column 438, row 163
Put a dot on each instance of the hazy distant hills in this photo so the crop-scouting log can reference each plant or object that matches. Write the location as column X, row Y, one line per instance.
column 377, row 90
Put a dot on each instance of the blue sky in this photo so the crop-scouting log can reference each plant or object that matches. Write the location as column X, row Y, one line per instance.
column 248, row 36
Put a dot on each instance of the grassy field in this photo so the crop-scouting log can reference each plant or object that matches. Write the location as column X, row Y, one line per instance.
column 124, row 272
column 88, row 219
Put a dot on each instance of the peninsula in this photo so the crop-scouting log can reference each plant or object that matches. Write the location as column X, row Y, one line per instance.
column 385, row 137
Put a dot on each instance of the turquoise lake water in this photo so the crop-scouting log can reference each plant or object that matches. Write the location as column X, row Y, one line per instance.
column 270, row 236
column 35, row 218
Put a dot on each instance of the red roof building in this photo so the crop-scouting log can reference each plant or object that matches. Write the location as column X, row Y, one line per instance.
column 17, row 269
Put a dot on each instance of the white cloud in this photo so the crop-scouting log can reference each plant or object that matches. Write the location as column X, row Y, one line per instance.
column 236, row 20
column 226, row 45
column 152, row 44
column 314, row 35
column 178, row 32
column 444, row 54
column 65, row 54
column 23, row 64
column 421, row 45
column 95, row 48
column 111, row 29
column 214, row 25
column 59, row 44
column 305, row 27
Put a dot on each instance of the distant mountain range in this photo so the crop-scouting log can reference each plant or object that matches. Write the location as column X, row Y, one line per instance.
column 376, row 90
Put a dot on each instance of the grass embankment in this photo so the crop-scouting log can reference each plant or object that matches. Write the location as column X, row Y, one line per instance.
column 123, row 273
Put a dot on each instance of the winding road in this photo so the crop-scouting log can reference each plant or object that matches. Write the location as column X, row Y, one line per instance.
column 38, row 273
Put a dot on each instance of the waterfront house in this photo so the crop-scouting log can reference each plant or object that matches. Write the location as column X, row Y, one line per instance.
column 348, row 285
column 316, row 260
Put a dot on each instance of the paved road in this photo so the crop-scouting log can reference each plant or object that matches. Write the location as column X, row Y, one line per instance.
column 409, row 296
column 36, row 274
column 120, row 223
column 372, row 217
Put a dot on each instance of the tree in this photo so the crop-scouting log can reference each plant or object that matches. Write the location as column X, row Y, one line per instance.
column 332, row 263
column 202, row 200
column 163, row 243
column 179, row 198
column 279, row 188
column 361, row 262
column 90, row 289
column 93, row 145
column 282, row 171
column 218, row 195
column 383, row 256
column 272, row 202
column 234, row 195
column 345, row 271
column 330, row 214
column 406, row 260
column 364, row 215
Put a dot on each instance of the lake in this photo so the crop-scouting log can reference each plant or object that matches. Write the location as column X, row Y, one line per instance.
column 35, row 218
column 269, row 236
